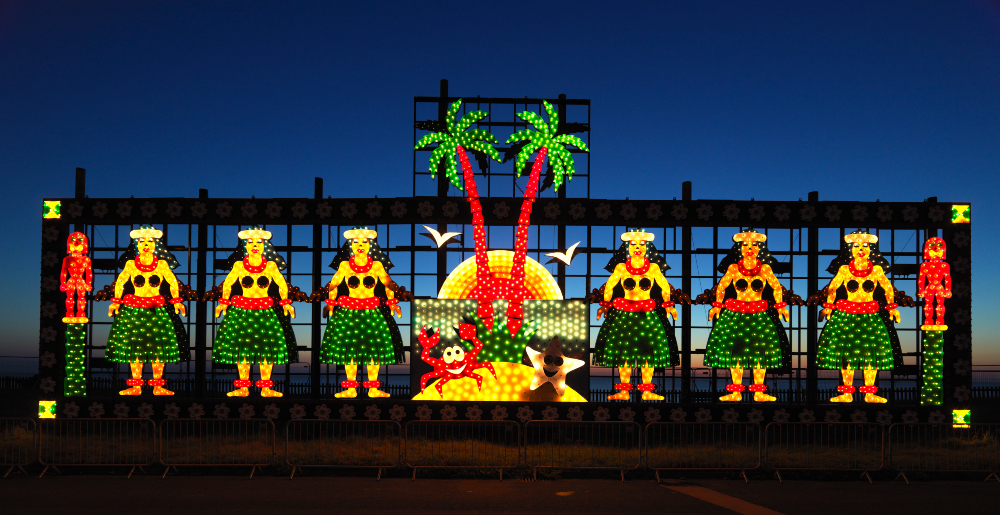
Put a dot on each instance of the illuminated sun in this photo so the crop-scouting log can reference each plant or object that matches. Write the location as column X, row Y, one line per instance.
column 538, row 282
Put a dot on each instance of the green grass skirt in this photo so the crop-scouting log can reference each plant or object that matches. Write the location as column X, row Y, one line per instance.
column 861, row 340
column 747, row 338
column 361, row 335
column 636, row 338
column 252, row 336
column 144, row 334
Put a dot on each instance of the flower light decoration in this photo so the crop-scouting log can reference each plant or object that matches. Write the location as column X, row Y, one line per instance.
column 636, row 300
column 861, row 310
column 747, row 332
column 362, row 301
column 144, row 330
column 934, row 286
column 256, row 328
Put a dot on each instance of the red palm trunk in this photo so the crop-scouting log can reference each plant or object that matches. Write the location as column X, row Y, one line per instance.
column 515, row 312
column 484, row 280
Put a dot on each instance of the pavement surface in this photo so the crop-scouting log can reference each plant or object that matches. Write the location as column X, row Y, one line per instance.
column 79, row 494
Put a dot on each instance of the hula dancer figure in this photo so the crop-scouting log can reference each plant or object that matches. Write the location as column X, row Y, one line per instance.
column 256, row 329
column 636, row 331
column 747, row 331
column 861, row 310
column 144, row 330
column 361, row 328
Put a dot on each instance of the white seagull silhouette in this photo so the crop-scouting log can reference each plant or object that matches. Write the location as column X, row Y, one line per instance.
column 440, row 239
column 565, row 257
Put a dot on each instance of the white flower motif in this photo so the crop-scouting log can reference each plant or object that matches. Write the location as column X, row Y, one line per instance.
column 730, row 415
column 499, row 413
column 679, row 211
column 628, row 211
column 47, row 384
column 145, row 410
column 398, row 209
column 473, row 412
column 49, row 310
column 961, row 367
column 322, row 412
column 47, row 359
column 962, row 341
column 654, row 211
column 198, row 209
column 450, row 209
column 807, row 415
column 297, row 412
column 781, row 416
column 372, row 412
column 324, row 210
column 961, row 239
column 936, row 417
column 501, row 209
column 910, row 417
column 884, row 213
column 96, row 410
column 961, row 393
column 221, row 411
column 705, row 211
column 781, row 212
column 859, row 416
column 703, row 415
column 756, row 212
column 426, row 209
column 148, row 209
column 883, row 417
column 348, row 210
column 678, row 415
column 224, row 210
column 626, row 415
column 71, row 410
column 550, row 413
column 603, row 211
column 299, row 210
column 910, row 213
column 424, row 412
column 731, row 212
column 960, row 289
column 652, row 415
column 50, row 283
column 50, row 259
column 756, row 416
column 832, row 416
column 552, row 210
column 196, row 411
column 575, row 414
column 271, row 411
column 50, row 233
column 807, row 212
column 171, row 410
column 936, row 214
column 121, row 410
column 246, row 411
column 124, row 209
column 397, row 412
column 833, row 213
column 72, row 209
column 859, row 213
column 174, row 209
column 602, row 414
column 99, row 209
column 273, row 209
column 448, row 412
column 576, row 210
column 524, row 413
column 961, row 316
column 48, row 334
column 347, row 412
column 960, row 265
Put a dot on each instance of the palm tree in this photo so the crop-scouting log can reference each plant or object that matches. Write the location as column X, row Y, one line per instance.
column 455, row 137
column 545, row 139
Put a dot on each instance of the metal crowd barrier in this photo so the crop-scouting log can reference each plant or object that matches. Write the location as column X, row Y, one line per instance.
column 703, row 446
column 582, row 445
column 343, row 444
column 17, row 443
column 943, row 448
column 96, row 442
column 217, row 443
column 462, row 444
column 844, row 446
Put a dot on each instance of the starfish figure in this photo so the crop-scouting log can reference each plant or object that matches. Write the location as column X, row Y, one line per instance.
column 552, row 366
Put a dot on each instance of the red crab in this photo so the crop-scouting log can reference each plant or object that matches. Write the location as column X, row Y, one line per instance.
column 455, row 363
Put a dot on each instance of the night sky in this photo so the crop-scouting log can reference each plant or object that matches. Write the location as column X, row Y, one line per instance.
column 895, row 101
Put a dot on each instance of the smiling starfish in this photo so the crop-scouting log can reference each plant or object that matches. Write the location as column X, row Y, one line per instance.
column 552, row 366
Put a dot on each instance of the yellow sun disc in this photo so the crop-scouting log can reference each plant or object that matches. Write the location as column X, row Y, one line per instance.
column 538, row 282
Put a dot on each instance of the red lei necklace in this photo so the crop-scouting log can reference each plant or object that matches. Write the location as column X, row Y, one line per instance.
column 637, row 271
column 259, row 269
column 361, row 269
column 749, row 273
column 860, row 273
column 147, row 268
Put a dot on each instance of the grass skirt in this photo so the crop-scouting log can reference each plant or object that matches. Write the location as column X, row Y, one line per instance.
column 361, row 335
column 635, row 338
column 747, row 338
column 862, row 340
column 250, row 335
column 144, row 334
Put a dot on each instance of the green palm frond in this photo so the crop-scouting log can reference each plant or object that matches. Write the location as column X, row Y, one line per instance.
column 452, row 135
column 434, row 137
column 545, row 135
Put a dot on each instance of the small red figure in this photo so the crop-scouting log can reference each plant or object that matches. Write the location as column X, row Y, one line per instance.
column 76, row 277
column 455, row 362
column 934, row 283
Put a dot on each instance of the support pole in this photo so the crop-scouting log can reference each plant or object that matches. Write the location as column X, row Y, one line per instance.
column 201, row 308
column 317, row 307
column 442, row 254
column 561, row 229
column 686, row 313
column 80, row 193
column 812, row 312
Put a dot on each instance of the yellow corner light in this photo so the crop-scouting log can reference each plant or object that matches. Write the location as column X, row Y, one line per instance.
column 960, row 418
column 51, row 208
column 961, row 213
column 46, row 409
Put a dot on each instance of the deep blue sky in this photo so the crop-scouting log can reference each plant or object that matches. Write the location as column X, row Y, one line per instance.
column 859, row 100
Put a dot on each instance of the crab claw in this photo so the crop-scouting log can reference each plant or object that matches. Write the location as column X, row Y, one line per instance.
column 426, row 339
column 467, row 331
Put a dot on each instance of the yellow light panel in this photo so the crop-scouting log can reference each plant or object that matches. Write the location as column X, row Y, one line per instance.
column 538, row 282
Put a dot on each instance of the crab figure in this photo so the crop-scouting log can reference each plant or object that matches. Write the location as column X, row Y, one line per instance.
column 455, row 363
